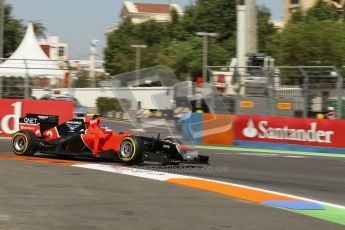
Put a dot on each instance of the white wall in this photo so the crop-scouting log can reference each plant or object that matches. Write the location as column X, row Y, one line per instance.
column 150, row 97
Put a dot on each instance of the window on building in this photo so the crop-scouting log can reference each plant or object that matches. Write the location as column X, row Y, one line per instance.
column 61, row 51
column 293, row 2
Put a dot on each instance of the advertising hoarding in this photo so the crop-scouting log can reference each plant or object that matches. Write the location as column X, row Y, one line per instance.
column 12, row 109
column 296, row 131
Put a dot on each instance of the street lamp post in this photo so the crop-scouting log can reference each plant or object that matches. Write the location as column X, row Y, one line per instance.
column 137, row 59
column 205, row 36
column 92, row 64
column 2, row 16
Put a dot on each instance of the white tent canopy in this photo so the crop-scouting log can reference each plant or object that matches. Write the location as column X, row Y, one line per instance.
column 29, row 60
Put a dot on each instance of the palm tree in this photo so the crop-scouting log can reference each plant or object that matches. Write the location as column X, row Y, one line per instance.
column 39, row 29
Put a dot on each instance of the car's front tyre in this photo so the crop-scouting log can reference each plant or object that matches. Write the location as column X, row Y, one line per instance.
column 131, row 150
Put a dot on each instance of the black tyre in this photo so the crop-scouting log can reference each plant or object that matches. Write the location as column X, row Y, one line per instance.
column 24, row 143
column 131, row 150
column 173, row 140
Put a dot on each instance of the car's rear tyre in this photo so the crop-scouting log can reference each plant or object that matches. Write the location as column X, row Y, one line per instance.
column 24, row 143
column 131, row 150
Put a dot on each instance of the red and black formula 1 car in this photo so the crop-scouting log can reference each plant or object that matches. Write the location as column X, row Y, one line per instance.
column 86, row 137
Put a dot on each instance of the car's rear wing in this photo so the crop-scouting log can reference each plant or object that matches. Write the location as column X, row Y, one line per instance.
column 44, row 121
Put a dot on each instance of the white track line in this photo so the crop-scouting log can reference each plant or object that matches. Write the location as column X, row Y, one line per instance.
column 295, row 156
column 162, row 176
column 4, row 217
column 137, row 172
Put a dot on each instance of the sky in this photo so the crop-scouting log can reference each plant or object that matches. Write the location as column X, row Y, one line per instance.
column 77, row 22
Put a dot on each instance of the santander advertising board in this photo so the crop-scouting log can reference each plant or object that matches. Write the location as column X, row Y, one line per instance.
column 13, row 109
column 299, row 131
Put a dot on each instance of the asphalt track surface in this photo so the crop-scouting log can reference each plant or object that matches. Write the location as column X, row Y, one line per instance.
column 44, row 196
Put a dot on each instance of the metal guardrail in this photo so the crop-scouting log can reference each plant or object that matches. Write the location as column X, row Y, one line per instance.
column 19, row 76
column 293, row 91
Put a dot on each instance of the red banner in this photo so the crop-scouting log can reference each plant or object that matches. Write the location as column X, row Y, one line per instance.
column 12, row 109
column 298, row 131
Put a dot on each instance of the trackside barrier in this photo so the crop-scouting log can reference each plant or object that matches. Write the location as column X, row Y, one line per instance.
column 272, row 132
column 192, row 127
column 299, row 134
column 218, row 129
column 12, row 109
column 208, row 128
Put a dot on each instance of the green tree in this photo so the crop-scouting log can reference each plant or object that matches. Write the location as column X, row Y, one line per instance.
column 13, row 31
column 120, row 56
column 266, row 29
column 310, row 43
column 39, row 29
column 175, row 43
column 185, row 57
column 83, row 80
column 315, row 37
column 323, row 11
column 297, row 17
column 168, row 43
column 174, row 16
column 218, row 16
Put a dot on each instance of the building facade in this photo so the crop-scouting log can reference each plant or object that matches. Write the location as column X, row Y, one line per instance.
column 54, row 49
column 142, row 12
column 291, row 6
column 84, row 66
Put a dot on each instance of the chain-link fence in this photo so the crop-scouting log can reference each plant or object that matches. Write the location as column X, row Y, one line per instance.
column 18, row 77
column 32, row 78
column 303, row 91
